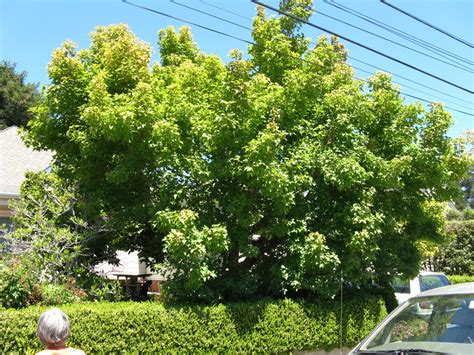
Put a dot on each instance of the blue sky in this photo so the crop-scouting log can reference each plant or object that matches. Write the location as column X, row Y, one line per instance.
column 31, row 29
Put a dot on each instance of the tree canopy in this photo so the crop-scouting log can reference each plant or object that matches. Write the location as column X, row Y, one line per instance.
column 16, row 96
column 272, row 175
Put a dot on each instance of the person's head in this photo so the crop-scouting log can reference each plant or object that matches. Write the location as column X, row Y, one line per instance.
column 53, row 327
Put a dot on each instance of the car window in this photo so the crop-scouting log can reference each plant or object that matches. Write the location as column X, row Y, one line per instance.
column 401, row 285
column 425, row 322
column 427, row 282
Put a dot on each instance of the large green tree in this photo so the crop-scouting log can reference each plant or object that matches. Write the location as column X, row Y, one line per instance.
column 16, row 96
column 272, row 175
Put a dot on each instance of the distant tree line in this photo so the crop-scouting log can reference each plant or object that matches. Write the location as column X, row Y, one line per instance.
column 16, row 96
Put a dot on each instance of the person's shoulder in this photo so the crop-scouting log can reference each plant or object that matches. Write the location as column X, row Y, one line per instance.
column 67, row 351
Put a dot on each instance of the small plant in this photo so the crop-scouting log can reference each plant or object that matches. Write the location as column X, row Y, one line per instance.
column 57, row 295
column 99, row 288
column 110, row 290
column 18, row 283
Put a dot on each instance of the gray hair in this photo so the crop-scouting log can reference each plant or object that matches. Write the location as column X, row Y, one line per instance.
column 53, row 327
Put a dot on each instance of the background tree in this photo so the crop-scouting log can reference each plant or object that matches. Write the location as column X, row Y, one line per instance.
column 50, row 232
column 16, row 96
column 465, row 202
column 272, row 176
column 456, row 255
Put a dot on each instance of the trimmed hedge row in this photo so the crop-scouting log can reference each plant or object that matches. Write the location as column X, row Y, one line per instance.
column 261, row 327
column 459, row 279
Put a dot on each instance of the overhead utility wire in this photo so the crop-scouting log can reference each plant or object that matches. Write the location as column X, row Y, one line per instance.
column 459, row 39
column 248, row 28
column 185, row 21
column 220, row 8
column 255, row 44
column 459, row 66
column 350, row 56
column 208, row 14
column 363, row 46
column 415, row 89
column 410, row 80
column 225, row 10
column 422, row 43
column 409, row 37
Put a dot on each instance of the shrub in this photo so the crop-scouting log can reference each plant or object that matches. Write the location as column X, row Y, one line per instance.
column 18, row 283
column 49, row 228
column 57, row 295
column 453, row 214
column 260, row 327
column 459, row 279
column 456, row 256
column 99, row 288
column 20, row 287
column 109, row 290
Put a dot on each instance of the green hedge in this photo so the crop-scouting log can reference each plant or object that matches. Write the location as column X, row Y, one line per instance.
column 260, row 327
column 459, row 279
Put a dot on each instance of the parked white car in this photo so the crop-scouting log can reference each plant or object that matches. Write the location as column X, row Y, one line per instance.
column 426, row 280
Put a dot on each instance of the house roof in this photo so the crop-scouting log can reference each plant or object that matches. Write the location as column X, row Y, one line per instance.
column 16, row 159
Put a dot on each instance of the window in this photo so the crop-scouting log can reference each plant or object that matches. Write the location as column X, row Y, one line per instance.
column 428, row 282
column 400, row 285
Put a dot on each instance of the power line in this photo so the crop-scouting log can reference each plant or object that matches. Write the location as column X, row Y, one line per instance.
column 208, row 14
column 350, row 56
column 410, row 80
column 428, row 24
column 248, row 28
column 415, row 97
column 363, row 46
column 460, row 66
column 255, row 44
column 185, row 21
column 412, row 88
column 228, row 11
column 420, row 42
column 407, row 36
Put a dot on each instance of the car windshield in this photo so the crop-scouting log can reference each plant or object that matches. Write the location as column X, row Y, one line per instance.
column 441, row 324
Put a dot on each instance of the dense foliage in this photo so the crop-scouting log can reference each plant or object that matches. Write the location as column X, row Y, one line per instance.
column 16, row 96
column 50, row 231
column 468, row 184
column 459, row 279
column 18, row 284
column 261, row 327
column 456, row 254
column 21, row 285
column 48, row 257
column 465, row 202
column 273, row 175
